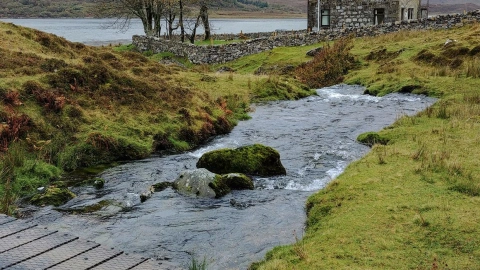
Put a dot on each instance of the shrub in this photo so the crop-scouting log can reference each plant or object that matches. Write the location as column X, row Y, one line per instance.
column 329, row 66
column 65, row 77
column 52, row 64
column 51, row 100
column 15, row 128
column 10, row 98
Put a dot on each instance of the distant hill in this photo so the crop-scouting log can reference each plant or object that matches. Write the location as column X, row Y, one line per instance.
column 226, row 8
column 46, row 8
column 86, row 8
column 452, row 8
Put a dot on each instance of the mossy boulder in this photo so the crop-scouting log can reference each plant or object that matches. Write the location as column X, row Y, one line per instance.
column 372, row 138
column 53, row 196
column 254, row 159
column 203, row 183
column 237, row 181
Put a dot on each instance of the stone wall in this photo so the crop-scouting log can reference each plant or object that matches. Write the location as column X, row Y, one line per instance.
column 267, row 41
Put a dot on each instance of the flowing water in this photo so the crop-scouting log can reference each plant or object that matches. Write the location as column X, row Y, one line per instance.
column 316, row 140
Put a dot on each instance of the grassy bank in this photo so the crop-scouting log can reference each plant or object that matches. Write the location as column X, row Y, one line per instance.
column 413, row 203
column 66, row 106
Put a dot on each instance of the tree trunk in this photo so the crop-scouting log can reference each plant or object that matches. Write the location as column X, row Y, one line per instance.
column 170, row 18
column 180, row 21
column 206, row 24
column 157, row 17
column 194, row 31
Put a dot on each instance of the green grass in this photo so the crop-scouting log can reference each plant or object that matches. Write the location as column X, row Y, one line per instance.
column 278, row 58
column 414, row 202
column 216, row 42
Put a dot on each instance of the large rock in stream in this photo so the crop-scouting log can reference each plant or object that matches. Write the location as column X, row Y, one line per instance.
column 254, row 159
column 203, row 183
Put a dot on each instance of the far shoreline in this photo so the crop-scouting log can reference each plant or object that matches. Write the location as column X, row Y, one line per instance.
column 214, row 15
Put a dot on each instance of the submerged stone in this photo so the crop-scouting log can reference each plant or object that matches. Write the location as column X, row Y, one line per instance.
column 254, row 159
column 98, row 183
column 53, row 196
column 161, row 186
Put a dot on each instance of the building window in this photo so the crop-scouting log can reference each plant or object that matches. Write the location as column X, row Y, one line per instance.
column 402, row 15
column 410, row 13
column 378, row 16
column 424, row 13
column 325, row 17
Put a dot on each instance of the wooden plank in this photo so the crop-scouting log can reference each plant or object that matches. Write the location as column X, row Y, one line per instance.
column 56, row 256
column 148, row 265
column 27, row 246
column 88, row 260
column 121, row 262
column 13, row 228
column 34, row 248
column 5, row 219
column 26, row 236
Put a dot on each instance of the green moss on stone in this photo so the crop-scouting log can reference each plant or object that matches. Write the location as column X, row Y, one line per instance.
column 53, row 196
column 238, row 181
column 254, row 159
column 162, row 186
column 371, row 138
column 219, row 186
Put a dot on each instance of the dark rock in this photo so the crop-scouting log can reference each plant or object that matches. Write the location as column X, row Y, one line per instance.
column 252, row 160
column 287, row 69
column 225, row 69
column 99, row 183
column 145, row 196
column 314, row 51
column 53, row 196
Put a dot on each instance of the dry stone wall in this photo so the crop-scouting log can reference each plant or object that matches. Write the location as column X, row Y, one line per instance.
column 260, row 42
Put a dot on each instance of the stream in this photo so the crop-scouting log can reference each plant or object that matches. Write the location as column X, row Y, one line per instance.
column 316, row 139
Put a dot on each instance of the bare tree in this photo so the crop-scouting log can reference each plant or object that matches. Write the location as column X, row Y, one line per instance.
column 151, row 13
column 148, row 11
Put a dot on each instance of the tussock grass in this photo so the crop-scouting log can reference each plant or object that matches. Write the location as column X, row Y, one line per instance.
column 412, row 203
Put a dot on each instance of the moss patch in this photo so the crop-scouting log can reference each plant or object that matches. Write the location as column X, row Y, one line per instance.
column 371, row 138
column 53, row 196
column 253, row 160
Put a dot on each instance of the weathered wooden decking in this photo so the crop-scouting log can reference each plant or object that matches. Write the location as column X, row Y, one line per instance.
column 29, row 246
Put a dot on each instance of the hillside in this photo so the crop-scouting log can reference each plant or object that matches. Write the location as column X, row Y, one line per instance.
column 86, row 8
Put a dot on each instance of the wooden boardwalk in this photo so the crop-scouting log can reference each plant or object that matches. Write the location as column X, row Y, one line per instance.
column 29, row 246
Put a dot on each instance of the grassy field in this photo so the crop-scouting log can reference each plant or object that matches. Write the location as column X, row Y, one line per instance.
column 66, row 106
column 414, row 202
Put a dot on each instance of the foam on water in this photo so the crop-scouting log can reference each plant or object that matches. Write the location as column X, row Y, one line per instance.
column 318, row 183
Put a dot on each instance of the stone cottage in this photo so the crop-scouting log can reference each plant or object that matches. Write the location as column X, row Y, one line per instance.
column 357, row 13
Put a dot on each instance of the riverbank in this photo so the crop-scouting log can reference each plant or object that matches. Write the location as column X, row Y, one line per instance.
column 414, row 202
